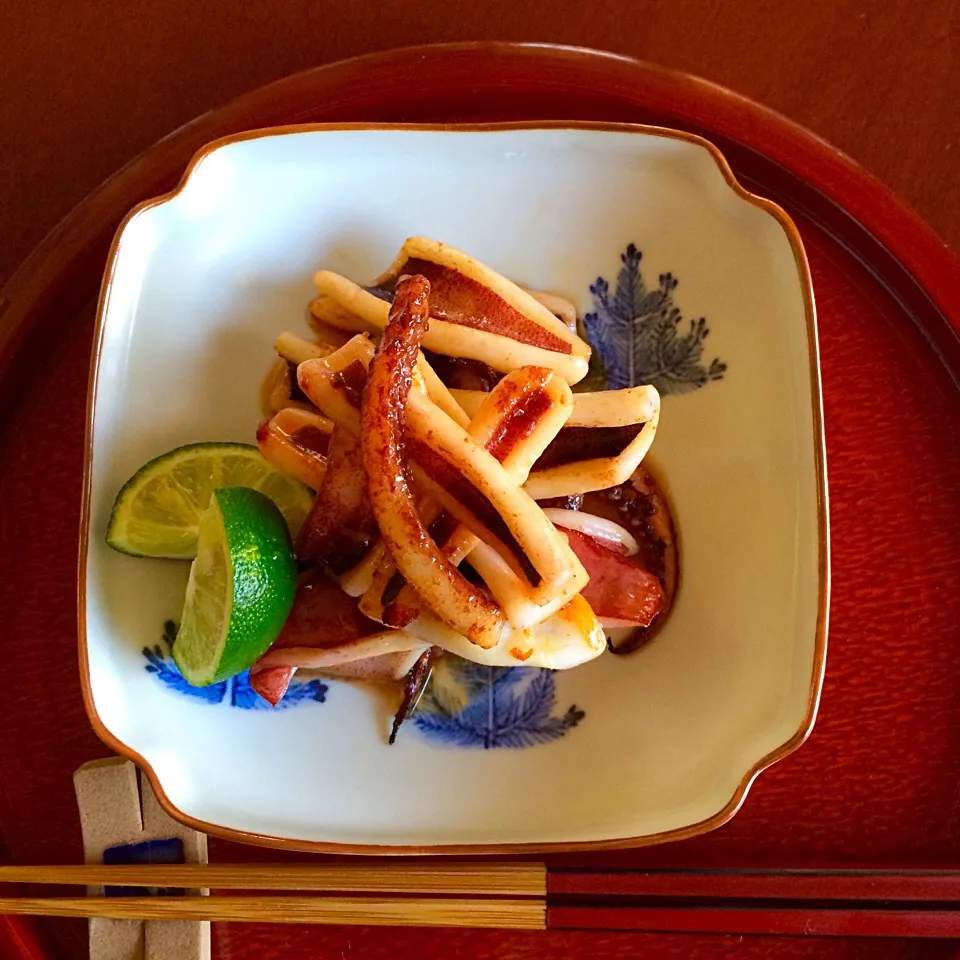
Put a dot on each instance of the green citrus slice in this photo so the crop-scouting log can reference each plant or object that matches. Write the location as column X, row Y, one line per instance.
column 240, row 590
column 157, row 513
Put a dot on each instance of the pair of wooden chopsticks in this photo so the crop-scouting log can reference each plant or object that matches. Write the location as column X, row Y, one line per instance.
column 501, row 895
column 832, row 902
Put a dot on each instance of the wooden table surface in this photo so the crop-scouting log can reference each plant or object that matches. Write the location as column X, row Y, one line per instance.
column 87, row 86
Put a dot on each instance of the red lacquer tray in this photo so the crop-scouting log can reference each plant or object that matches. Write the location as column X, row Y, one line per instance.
column 879, row 780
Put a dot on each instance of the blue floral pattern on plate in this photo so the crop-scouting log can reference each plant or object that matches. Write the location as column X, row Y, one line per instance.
column 235, row 692
column 469, row 705
column 637, row 338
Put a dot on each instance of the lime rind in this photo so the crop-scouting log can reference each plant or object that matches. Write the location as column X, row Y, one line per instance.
column 157, row 511
column 208, row 603
column 241, row 587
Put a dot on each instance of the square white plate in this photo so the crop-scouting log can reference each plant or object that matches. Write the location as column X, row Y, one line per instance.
column 201, row 281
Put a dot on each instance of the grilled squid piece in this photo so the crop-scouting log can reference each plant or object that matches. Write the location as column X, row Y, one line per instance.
column 296, row 441
column 358, row 580
column 295, row 349
column 330, row 311
column 414, row 685
column 462, row 476
column 602, row 449
column 473, row 486
column 440, row 393
column 340, row 526
column 599, row 408
column 327, row 633
column 516, row 423
column 280, row 389
column 570, row 637
column 597, row 423
column 641, row 506
column 335, row 383
column 457, row 602
column 392, row 643
column 560, row 307
column 522, row 608
column 476, row 313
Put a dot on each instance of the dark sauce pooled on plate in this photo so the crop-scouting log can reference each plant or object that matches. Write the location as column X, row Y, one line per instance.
column 640, row 506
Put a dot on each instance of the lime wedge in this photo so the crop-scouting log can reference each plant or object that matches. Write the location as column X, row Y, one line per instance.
column 157, row 513
column 240, row 590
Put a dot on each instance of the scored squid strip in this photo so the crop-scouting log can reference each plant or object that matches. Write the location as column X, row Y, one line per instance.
column 475, row 294
column 440, row 393
column 332, row 312
column 454, row 469
column 571, row 636
column 359, row 578
column 297, row 441
column 340, row 526
column 386, row 399
column 451, row 467
column 326, row 633
column 501, row 352
column 327, row 311
column 335, row 383
column 560, row 307
column 520, row 417
column 616, row 426
column 295, row 349
column 361, row 648
column 600, row 408
column 280, row 390
column 561, row 479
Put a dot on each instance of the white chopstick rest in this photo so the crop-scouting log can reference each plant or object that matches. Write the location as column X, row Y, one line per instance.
column 117, row 809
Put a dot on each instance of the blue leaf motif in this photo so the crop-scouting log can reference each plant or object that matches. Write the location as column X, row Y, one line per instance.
column 165, row 670
column 449, row 730
column 246, row 698
column 529, row 718
column 493, row 707
column 236, row 692
column 638, row 333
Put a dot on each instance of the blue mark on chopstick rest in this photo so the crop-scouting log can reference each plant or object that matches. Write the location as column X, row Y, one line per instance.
column 470, row 705
column 147, row 852
column 637, row 336
column 235, row 692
